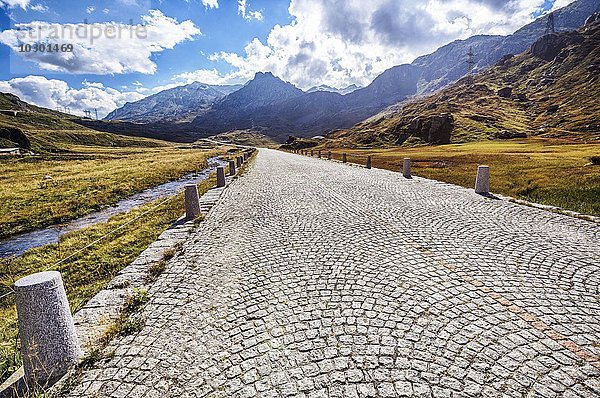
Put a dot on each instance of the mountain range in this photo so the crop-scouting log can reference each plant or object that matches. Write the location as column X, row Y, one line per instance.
column 178, row 103
column 324, row 87
column 277, row 109
column 549, row 91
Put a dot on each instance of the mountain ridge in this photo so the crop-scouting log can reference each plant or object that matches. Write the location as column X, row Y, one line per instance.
column 549, row 90
column 174, row 104
column 288, row 110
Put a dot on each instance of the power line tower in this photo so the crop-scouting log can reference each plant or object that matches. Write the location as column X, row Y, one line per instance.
column 470, row 66
column 550, row 24
column 96, row 110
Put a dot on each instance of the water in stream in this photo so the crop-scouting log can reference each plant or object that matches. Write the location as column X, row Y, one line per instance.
column 16, row 245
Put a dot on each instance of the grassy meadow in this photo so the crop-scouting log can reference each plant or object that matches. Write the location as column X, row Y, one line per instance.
column 552, row 172
column 36, row 191
column 73, row 172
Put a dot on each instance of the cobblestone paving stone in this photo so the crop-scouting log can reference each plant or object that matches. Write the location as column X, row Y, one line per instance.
column 316, row 279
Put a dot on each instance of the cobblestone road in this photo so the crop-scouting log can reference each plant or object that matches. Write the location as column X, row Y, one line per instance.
column 317, row 279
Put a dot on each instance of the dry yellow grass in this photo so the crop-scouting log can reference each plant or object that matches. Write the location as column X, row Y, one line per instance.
column 37, row 191
column 552, row 172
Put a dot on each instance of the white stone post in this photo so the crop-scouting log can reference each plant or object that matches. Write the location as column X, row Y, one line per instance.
column 220, row 176
column 192, row 202
column 49, row 343
column 482, row 182
column 406, row 167
column 231, row 168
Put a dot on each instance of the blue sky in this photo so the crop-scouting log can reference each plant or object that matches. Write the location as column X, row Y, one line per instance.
column 306, row 42
column 222, row 30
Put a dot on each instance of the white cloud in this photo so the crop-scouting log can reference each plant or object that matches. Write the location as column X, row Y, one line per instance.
column 560, row 4
column 208, row 76
column 14, row 3
column 90, row 9
column 210, row 3
column 39, row 8
column 339, row 43
column 246, row 13
column 105, row 48
column 52, row 93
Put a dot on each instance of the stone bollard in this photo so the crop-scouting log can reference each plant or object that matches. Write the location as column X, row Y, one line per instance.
column 220, row 176
column 319, row 154
column 245, row 156
column 312, row 152
column 192, row 202
column 344, row 158
column 49, row 343
column 368, row 162
column 329, row 155
column 238, row 161
column 482, row 182
column 231, row 168
column 406, row 168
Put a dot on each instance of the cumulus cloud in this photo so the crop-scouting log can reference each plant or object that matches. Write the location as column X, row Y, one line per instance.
column 53, row 93
column 341, row 42
column 246, row 13
column 101, row 48
column 14, row 3
column 208, row 76
column 210, row 3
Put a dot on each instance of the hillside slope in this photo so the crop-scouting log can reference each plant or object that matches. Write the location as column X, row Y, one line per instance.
column 550, row 90
column 39, row 129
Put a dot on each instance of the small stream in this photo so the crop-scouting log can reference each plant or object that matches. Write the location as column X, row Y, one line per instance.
column 16, row 245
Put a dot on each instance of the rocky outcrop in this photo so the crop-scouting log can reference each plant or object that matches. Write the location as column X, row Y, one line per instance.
column 506, row 135
column 296, row 143
column 549, row 46
column 594, row 18
column 433, row 129
column 15, row 135
column 505, row 92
